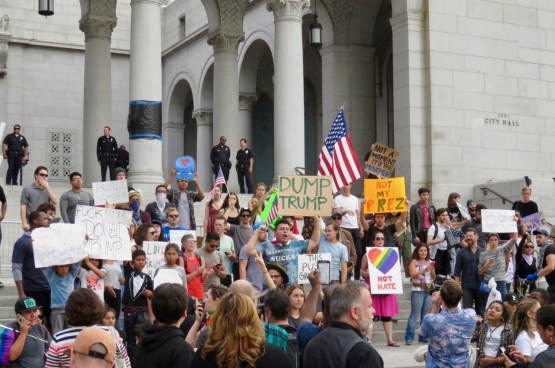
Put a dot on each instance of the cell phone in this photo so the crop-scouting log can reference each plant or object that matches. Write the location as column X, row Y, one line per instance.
column 325, row 275
column 504, row 351
column 202, row 304
column 218, row 265
column 19, row 318
column 433, row 264
column 227, row 253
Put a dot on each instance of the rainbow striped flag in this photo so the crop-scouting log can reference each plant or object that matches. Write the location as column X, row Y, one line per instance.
column 7, row 338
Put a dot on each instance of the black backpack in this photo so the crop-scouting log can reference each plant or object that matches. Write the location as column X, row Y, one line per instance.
column 293, row 350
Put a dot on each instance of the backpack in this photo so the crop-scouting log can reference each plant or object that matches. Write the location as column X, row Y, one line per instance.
column 185, row 259
column 293, row 350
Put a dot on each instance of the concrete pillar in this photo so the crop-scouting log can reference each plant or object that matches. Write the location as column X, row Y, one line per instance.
column 246, row 106
column 145, row 84
column 97, row 97
column 173, row 146
column 204, row 145
column 288, row 85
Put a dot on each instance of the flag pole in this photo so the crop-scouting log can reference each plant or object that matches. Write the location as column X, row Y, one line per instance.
column 33, row 337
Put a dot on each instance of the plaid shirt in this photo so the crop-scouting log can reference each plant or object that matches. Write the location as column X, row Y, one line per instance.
column 174, row 196
column 276, row 335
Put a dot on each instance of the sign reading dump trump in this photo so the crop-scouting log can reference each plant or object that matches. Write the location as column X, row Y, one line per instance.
column 59, row 245
column 385, row 272
column 113, row 192
column 382, row 160
column 305, row 195
column 384, row 195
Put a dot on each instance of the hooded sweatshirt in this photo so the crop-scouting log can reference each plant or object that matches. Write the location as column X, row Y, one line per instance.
column 162, row 347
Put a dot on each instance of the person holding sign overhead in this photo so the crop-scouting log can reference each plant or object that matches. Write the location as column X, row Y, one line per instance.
column 183, row 200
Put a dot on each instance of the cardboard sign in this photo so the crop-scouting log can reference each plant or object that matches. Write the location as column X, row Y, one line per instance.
column 385, row 272
column 534, row 221
column 382, row 160
column 305, row 196
column 107, row 230
column 167, row 277
column 113, row 192
column 176, row 235
column 308, row 263
column 154, row 256
column 498, row 221
column 59, row 245
column 385, row 195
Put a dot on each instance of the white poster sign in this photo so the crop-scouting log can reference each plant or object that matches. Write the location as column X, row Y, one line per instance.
column 59, row 245
column 154, row 256
column 107, row 230
column 167, row 277
column 385, row 272
column 176, row 235
column 308, row 263
column 113, row 192
column 498, row 221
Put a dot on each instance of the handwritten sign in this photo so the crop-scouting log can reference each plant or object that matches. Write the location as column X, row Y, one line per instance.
column 305, row 195
column 382, row 160
column 384, row 195
column 385, row 272
column 107, row 231
column 176, row 235
column 534, row 221
column 60, row 245
column 167, row 277
column 113, row 192
column 154, row 256
column 498, row 221
column 308, row 263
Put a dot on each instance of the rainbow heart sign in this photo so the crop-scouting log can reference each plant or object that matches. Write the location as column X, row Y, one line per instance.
column 383, row 259
column 185, row 167
column 385, row 271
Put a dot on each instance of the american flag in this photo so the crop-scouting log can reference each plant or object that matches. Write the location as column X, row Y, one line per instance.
column 219, row 181
column 338, row 159
column 273, row 212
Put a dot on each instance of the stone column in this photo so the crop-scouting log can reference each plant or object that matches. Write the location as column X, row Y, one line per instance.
column 173, row 146
column 145, row 84
column 246, row 105
column 204, row 145
column 97, row 97
column 288, row 85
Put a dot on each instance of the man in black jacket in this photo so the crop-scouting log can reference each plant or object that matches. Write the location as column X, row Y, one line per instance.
column 219, row 156
column 163, row 345
column 422, row 216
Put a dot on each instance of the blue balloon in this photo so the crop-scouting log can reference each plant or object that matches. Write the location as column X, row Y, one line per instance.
column 185, row 167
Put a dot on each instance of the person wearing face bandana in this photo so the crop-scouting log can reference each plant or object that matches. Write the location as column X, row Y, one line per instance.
column 157, row 209
column 140, row 217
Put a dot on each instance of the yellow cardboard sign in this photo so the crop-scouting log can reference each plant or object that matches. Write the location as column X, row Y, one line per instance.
column 385, row 195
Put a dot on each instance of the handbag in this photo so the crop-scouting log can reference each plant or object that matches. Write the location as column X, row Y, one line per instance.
column 427, row 287
column 484, row 288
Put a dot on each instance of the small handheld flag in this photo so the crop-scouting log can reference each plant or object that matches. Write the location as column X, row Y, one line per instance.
column 220, row 180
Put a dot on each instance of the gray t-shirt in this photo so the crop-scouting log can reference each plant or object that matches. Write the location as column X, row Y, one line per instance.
column 240, row 235
column 202, row 337
column 210, row 258
column 497, row 270
column 254, row 274
column 180, row 271
column 34, row 351
column 184, row 212
column 69, row 202
column 33, row 196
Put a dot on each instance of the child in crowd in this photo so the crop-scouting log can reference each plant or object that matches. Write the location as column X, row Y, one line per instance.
column 92, row 276
column 110, row 320
column 61, row 279
column 112, row 285
column 195, row 269
column 171, row 256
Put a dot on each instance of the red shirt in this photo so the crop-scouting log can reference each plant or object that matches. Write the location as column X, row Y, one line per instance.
column 426, row 214
column 194, row 286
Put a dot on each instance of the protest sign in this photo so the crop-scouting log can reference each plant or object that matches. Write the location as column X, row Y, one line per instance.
column 113, row 192
column 534, row 221
column 385, row 195
column 107, row 232
column 305, row 195
column 60, row 245
column 382, row 160
column 385, row 272
column 176, row 235
column 154, row 256
column 167, row 277
column 308, row 263
column 498, row 221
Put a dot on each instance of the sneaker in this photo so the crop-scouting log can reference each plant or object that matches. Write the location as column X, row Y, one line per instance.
column 408, row 342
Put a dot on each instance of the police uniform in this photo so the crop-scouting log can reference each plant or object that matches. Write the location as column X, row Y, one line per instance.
column 220, row 159
column 122, row 159
column 243, row 158
column 16, row 144
column 106, row 152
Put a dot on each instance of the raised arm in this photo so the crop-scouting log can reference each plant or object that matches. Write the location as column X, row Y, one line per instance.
column 250, row 249
column 308, row 310
column 200, row 192
column 364, row 225
column 169, row 180
column 260, row 263
column 315, row 238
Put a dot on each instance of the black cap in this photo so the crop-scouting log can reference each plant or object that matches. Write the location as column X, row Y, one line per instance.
column 156, row 222
column 25, row 304
column 511, row 298
column 245, row 209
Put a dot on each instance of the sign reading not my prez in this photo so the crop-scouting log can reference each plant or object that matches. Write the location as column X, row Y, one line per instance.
column 385, row 195
column 382, row 160
column 305, row 195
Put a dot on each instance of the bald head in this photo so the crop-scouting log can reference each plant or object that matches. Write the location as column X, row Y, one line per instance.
column 242, row 287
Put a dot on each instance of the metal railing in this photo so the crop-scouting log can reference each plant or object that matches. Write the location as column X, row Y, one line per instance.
column 11, row 231
column 503, row 199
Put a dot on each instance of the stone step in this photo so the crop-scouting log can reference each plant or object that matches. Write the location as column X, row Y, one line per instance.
column 378, row 336
column 7, row 312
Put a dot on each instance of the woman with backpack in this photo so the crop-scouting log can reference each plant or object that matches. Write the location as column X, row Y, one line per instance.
column 194, row 265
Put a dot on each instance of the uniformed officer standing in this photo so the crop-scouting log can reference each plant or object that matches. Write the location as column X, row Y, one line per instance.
column 245, row 161
column 15, row 150
column 122, row 159
column 220, row 159
column 106, row 153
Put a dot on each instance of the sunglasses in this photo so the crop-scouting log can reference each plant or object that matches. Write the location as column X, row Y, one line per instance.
column 16, row 128
column 528, row 247
column 336, row 218
column 173, row 216
column 44, row 175
column 379, row 238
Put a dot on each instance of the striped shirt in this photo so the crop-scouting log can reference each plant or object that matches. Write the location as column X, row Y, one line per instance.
column 55, row 358
column 497, row 271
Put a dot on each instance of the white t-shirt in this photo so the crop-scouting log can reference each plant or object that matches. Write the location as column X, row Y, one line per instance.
column 440, row 235
column 91, row 281
column 530, row 347
column 348, row 203
column 493, row 341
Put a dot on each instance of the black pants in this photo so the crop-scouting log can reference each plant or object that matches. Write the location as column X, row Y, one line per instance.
column 113, row 302
column 358, row 246
column 476, row 296
column 225, row 171
column 108, row 162
column 443, row 262
column 244, row 173
column 42, row 298
column 551, row 291
column 14, row 166
column 423, row 236
column 235, row 270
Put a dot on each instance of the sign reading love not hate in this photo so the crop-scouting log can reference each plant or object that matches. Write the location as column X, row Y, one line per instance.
column 385, row 272
column 385, row 195
column 534, row 221
column 59, row 245
column 113, row 192
column 305, row 195
column 498, row 221
column 382, row 160
column 308, row 263
column 154, row 256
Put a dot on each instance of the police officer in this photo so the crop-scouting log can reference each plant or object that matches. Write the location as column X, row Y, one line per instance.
column 106, row 153
column 245, row 160
column 122, row 159
column 15, row 150
column 220, row 159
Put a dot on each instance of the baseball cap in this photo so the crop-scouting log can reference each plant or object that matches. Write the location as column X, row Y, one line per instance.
column 336, row 213
column 511, row 298
column 25, row 304
column 157, row 222
column 187, row 237
column 245, row 209
column 94, row 342
column 541, row 231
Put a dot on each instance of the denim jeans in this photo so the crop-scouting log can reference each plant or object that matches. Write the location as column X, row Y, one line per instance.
column 421, row 302
column 474, row 298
